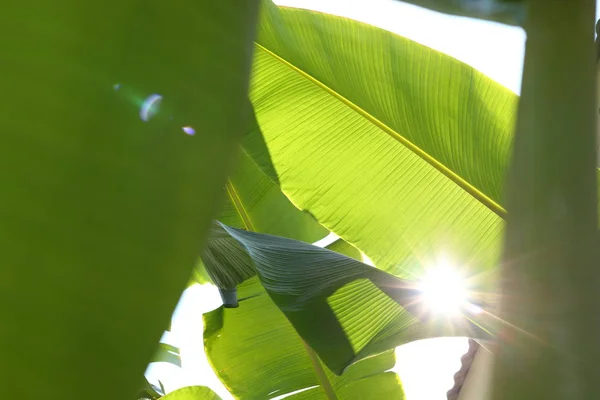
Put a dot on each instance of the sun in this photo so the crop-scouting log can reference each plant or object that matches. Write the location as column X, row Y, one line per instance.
column 444, row 290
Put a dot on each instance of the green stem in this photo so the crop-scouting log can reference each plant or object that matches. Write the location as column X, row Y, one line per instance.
column 321, row 375
column 549, row 349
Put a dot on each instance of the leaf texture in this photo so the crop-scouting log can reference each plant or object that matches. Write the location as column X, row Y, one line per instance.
column 397, row 148
column 253, row 201
column 257, row 354
column 345, row 310
column 225, row 260
column 253, row 198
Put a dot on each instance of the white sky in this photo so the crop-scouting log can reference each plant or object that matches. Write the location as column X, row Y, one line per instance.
column 425, row 367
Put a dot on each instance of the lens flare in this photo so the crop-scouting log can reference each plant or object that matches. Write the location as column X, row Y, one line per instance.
column 189, row 130
column 444, row 290
column 150, row 107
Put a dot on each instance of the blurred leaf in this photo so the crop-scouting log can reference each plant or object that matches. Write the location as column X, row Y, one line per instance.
column 103, row 213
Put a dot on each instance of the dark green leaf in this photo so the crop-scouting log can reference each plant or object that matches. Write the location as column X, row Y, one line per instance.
column 226, row 261
column 257, row 354
column 344, row 309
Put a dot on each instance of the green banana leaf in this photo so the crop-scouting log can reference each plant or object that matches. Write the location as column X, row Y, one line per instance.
column 345, row 310
column 253, row 201
column 397, row 148
column 257, row 354
column 105, row 199
column 269, row 369
column 342, row 247
column 192, row 393
column 149, row 391
column 226, row 261
column 167, row 353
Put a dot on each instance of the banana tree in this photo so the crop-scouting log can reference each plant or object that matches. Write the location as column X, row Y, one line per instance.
column 375, row 166
column 398, row 149
column 428, row 139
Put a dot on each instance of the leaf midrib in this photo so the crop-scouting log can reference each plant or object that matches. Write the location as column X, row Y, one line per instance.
column 459, row 181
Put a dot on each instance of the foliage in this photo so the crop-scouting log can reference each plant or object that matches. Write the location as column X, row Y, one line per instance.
column 167, row 353
column 397, row 148
column 257, row 334
column 401, row 170
column 345, row 310
column 188, row 393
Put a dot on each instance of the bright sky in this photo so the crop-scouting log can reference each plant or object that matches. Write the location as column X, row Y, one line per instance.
column 425, row 367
